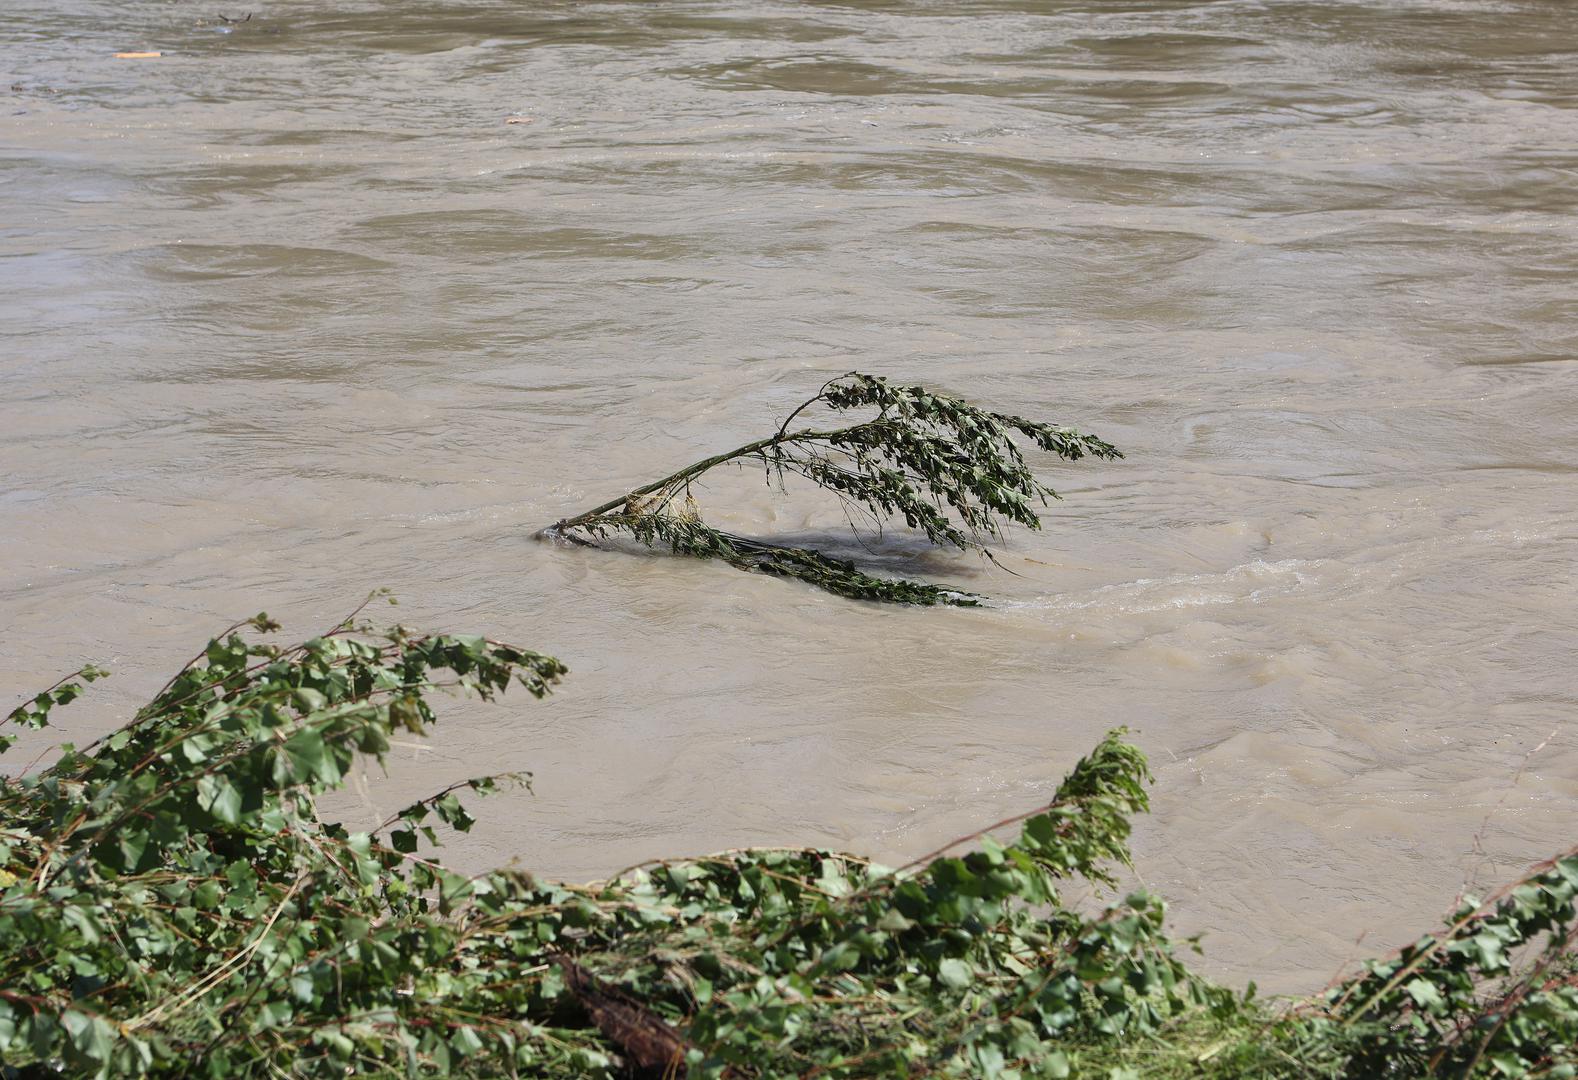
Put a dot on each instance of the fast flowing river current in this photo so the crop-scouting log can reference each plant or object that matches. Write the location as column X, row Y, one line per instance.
column 361, row 294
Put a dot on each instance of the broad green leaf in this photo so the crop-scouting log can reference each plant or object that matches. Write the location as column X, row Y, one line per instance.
column 955, row 973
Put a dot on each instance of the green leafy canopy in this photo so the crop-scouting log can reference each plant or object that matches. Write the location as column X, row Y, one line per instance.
column 946, row 468
column 173, row 904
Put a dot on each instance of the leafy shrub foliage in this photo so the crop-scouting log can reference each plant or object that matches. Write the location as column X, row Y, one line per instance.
column 947, row 468
column 172, row 904
column 1495, row 993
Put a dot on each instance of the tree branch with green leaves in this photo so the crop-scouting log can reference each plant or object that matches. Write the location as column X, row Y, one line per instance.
column 951, row 470
column 173, row 903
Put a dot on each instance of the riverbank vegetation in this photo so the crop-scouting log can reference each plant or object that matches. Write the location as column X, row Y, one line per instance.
column 172, row 903
column 948, row 469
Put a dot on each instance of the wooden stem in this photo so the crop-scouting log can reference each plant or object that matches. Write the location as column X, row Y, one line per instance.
column 557, row 529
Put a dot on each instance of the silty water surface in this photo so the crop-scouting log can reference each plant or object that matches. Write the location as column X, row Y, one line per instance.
column 292, row 312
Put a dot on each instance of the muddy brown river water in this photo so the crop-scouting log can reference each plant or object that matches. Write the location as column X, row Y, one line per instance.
column 292, row 311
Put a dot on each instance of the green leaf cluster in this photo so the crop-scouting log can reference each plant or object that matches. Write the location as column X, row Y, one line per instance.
column 171, row 903
column 1494, row 993
column 791, row 963
column 695, row 538
column 947, row 468
column 174, row 904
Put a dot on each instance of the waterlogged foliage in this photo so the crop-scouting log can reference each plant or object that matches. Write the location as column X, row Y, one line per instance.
column 1495, row 993
column 172, row 904
column 946, row 468
column 790, row 963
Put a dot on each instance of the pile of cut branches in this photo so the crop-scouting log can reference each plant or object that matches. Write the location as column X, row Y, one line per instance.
column 949, row 469
column 172, row 904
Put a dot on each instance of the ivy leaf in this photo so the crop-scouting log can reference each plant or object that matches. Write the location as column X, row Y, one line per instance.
column 310, row 757
column 452, row 813
column 1425, row 994
column 955, row 973
column 90, row 1040
column 218, row 795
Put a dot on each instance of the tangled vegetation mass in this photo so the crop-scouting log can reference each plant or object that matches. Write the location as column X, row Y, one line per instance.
column 172, row 904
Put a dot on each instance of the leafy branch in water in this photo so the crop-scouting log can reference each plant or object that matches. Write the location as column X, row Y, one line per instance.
column 949, row 469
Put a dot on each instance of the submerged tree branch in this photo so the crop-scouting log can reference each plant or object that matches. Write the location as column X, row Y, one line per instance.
column 949, row 469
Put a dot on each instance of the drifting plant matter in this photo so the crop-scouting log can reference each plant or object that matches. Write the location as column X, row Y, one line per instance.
column 172, row 904
column 947, row 468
